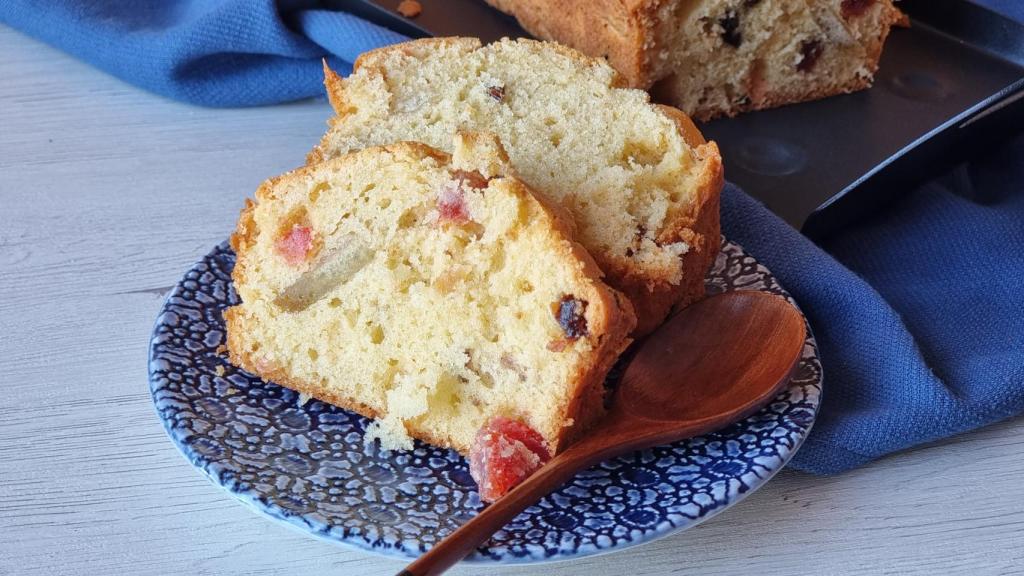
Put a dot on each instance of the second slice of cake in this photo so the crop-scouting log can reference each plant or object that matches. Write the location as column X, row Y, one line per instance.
column 436, row 294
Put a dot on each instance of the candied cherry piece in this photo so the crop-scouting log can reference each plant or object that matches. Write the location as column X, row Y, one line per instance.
column 451, row 204
column 505, row 453
column 295, row 244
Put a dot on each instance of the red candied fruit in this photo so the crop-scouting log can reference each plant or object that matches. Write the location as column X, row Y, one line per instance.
column 505, row 453
column 451, row 204
column 295, row 244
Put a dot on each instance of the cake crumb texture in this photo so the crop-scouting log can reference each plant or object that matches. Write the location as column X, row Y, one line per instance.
column 425, row 291
column 714, row 58
column 640, row 182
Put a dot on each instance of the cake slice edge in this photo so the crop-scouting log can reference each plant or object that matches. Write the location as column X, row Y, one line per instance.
column 480, row 152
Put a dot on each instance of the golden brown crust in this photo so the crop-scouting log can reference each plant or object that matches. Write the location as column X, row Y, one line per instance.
column 614, row 323
column 616, row 30
column 893, row 17
column 630, row 35
column 418, row 47
column 588, row 404
column 700, row 229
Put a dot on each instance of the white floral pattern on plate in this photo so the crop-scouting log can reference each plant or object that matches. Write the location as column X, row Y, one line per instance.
column 307, row 464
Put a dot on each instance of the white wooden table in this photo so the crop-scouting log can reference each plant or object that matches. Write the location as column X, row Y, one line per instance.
column 108, row 193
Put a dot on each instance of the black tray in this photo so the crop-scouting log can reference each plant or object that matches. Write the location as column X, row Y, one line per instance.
column 946, row 88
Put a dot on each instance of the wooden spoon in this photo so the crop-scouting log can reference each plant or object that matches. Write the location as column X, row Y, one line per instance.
column 712, row 364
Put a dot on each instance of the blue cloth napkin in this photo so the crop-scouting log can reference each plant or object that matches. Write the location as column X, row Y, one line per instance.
column 919, row 312
column 206, row 52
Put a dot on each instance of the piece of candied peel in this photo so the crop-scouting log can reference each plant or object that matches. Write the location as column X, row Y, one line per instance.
column 332, row 269
column 504, row 453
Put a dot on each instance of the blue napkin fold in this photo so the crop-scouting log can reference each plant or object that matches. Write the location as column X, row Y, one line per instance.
column 918, row 312
column 206, row 52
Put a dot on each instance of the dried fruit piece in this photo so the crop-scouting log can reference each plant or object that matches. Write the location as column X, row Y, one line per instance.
column 730, row 24
column 496, row 92
column 451, row 204
column 334, row 269
column 504, row 453
column 854, row 8
column 810, row 51
column 295, row 244
column 471, row 178
column 409, row 8
column 559, row 344
column 571, row 315
column 638, row 240
column 508, row 362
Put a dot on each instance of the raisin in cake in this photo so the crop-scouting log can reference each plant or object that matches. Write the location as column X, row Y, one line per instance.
column 434, row 294
column 638, row 178
column 722, row 57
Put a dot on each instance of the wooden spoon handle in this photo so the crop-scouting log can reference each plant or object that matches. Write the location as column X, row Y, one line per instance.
column 478, row 529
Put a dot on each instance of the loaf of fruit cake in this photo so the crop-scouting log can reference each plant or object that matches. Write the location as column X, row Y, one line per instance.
column 639, row 180
column 436, row 294
column 715, row 58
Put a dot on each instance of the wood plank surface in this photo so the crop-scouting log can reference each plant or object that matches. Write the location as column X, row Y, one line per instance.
column 108, row 194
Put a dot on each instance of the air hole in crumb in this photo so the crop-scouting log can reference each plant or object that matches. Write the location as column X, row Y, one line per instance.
column 334, row 303
column 313, row 354
column 556, row 139
column 549, row 121
column 810, row 51
column 730, row 23
column 525, row 286
column 634, row 152
column 376, row 334
column 383, row 203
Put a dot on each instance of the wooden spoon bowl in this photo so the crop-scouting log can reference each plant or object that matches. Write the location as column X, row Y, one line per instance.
column 712, row 364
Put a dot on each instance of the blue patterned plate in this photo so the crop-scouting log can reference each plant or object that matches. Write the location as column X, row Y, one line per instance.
column 306, row 463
